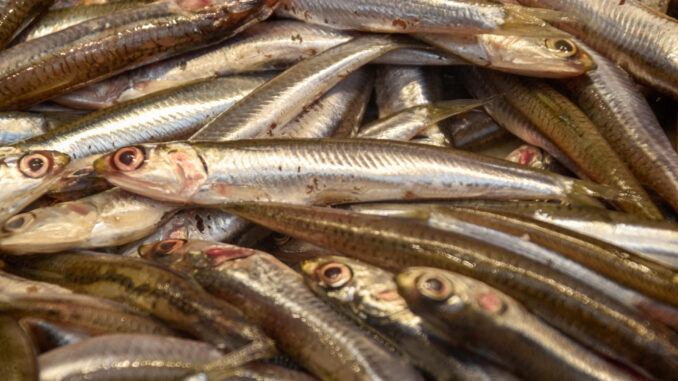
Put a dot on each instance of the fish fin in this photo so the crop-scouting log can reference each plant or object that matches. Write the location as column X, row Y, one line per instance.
column 445, row 109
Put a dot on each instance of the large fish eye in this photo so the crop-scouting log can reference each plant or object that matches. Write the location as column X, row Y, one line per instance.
column 18, row 222
column 334, row 274
column 434, row 287
column 128, row 159
column 35, row 165
column 566, row 48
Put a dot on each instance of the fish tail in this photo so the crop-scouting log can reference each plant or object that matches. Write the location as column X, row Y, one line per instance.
column 445, row 109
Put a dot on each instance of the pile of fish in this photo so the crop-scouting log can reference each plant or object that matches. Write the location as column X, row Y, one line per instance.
column 338, row 190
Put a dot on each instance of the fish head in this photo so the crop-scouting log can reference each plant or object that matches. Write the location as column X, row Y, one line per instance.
column 49, row 229
column 25, row 176
column 546, row 57
column 187, row 255
column 171, row 172
column 368, row 290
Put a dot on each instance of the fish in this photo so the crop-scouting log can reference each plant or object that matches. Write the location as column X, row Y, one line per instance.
column 534, row 56
column 579, row 311
column 173, row 298
column 610, row 99
column 275, row 296
column 25, row 176
column 58, row 19
column 427, row 16
column 47, row 336
column 296, row 171
column 16, row 126
column 642, row 41
column 36, row 70
column 572, row 131
column 338, row 113
column 482, row 318
column 84, row 312
column 261, row 371
column 19, row 357
column 14, row 15
column 534, row 157
column 12, row 284
column 369, row 295
column 127, row 356
column 270, row 45
column 406, row 124
column 111, row 218
column 661, row 6
column 281, row 99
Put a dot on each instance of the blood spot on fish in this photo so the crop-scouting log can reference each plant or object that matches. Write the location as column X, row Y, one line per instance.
column 490, row 302
column 526, row 157
column 409, row 195
column 400, row 23
column 31, row 289
column 80, row 209
column 622, row 2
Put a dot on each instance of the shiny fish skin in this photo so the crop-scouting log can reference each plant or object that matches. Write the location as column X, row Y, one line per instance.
column 12, row 284
column 175, row 299
column 48, row 336
column 474, row 130
column 59, row 19
column 658, row 5
column 574, row 133
column 562, row 301
column 19, row 357
column 20, row 185
column 93, row 315
column 369, row 295
column 270, row 45
column 110, row 218
column 642, row 41
column 407, row 123
column 486, row 319
column 285, row 96
column 172, row 114
column 510, row 119
column 39, row 69
column 524, row 55
column 623, row 116
column 326, row 171
column 16, row 126
column 260, row 371
column 13, row 15
column 338, row 113
column 427, row 16
column 127, row 357
column 399, row 87
column 273, row 295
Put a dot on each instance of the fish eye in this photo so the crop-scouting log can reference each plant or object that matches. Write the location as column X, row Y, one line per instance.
column 35, row 165
column 335, row 274
column 128, row 159
column 168, row 246
column 434, row 287
column 18, row 222
column 565, row 48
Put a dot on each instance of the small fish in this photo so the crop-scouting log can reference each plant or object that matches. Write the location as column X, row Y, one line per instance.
column 16, row 126
column 25, row 176
column 275, row 296
column 14, row 15
column 296, row 170
column 483, row 318
column 19, row 357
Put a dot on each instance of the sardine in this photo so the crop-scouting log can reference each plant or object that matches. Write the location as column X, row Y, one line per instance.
column 274, row 296
column 427, row 16
column 25, row 176
column 564, row 302
column 369, row 295
column 574, row 133
column 127, row 357
column 170, row 296
column 484, row 318
column 271, row 45
column 84, row 312
column 19, row 357
column 642, row 41
column 545, row 57
column 15, row 13
column 623, row 116
column 325, row 171
column 281, row 99
column 39, row 69
column 111, row 218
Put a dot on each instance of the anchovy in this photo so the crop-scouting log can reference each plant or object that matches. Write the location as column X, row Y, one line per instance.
column 482, row 318
column 474, row 130
column 15, row 13
column 327, row 171
column 16, row 126
column 39, row 69
column 19, row 357
column 275, row 296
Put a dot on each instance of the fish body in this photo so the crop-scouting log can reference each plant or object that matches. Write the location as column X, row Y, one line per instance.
column 15, row 13
column 19, row 357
